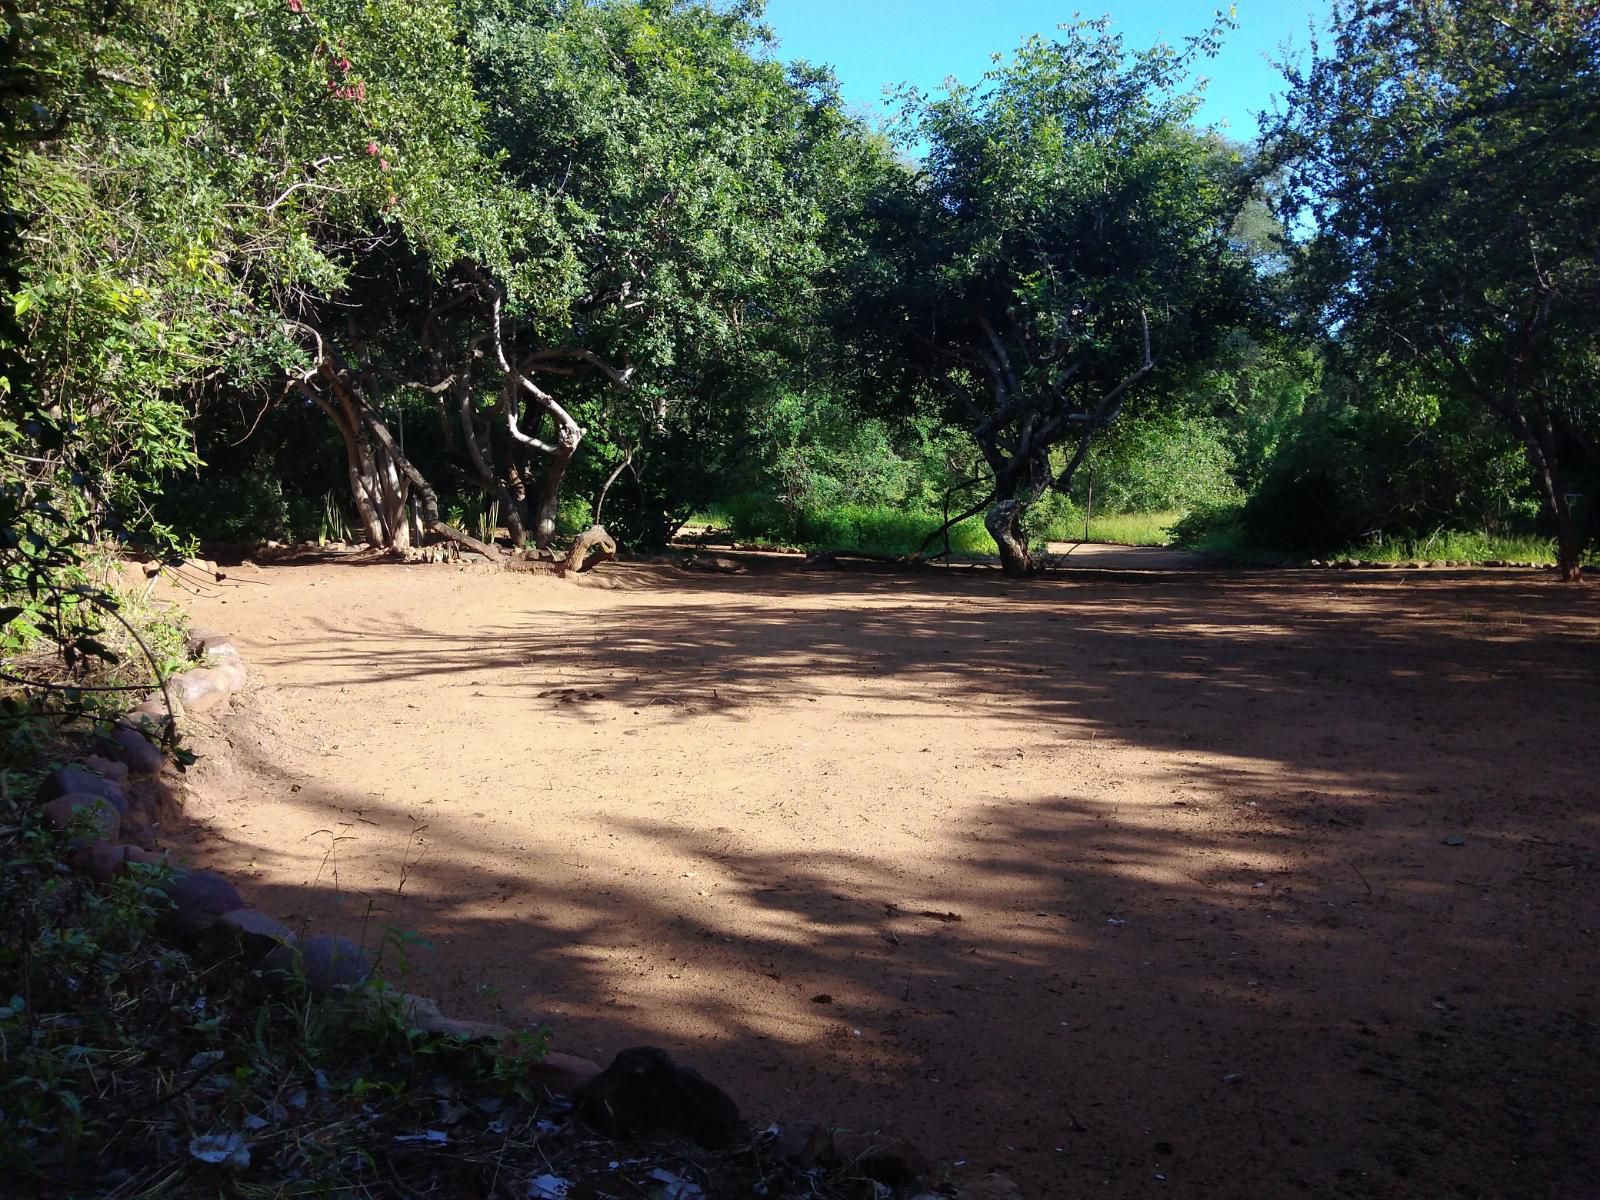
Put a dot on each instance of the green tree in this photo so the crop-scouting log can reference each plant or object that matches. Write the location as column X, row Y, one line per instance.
column 1067, row 240
column 1444, row 150
column 693, row 172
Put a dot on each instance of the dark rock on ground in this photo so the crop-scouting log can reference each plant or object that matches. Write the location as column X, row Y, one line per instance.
column 323, row 960
column 564, row 1074
column 103, row 861
column 135, row 751
column 198, row 898
column 248, row 932
column 105, row 817
column 78, row 780
column 644, row 1092
column 891, row 1161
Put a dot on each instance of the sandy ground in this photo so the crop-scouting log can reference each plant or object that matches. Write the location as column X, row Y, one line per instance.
column 1160, row 884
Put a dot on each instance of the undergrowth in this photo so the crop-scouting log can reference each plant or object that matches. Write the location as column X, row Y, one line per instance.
column 876, row 528
column 131, row 1068
column 1456, row 546
column 1129, row 529
column 1219, row 530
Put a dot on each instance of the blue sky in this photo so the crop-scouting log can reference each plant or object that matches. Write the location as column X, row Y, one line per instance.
column 871, row 43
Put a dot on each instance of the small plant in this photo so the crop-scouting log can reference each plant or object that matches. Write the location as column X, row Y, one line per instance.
column 334, row 526
column 488, row 525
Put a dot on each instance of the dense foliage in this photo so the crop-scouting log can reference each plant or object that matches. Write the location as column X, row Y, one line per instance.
column 1445, row 151
column 491, row 270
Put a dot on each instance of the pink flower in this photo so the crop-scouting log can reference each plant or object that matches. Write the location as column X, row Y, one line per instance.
column 295, row 6
column 383, row 164
column 372, row 149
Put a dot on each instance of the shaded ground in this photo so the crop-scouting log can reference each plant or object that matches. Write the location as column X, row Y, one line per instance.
column 1189, row 884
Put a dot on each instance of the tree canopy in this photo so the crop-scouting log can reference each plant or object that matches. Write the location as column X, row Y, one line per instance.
column 1068, row 236
column 1444, row 151
column 499, row 269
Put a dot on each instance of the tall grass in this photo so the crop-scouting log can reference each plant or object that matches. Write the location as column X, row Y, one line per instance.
column 880, row 529
column 1457, row 546
column 885, row 529
column 1129, row 529
column 1219, row 531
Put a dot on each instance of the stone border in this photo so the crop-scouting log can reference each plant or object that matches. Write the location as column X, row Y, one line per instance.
column 208, row 914
column 1432, row 564
column 642, row 1092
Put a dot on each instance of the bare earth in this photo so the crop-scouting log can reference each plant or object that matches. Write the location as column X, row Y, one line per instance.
column 1152, row 884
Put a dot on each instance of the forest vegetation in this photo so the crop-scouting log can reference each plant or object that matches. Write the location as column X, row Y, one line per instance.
column 485, row 274
column 488, row 271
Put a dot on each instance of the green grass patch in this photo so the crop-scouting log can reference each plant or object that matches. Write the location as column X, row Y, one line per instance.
column 1218, row 530
column 1130, row 529
column 879, row 529
column 1457, row 546
column 865, row 528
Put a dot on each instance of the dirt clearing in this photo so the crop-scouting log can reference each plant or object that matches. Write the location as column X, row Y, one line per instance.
column 1159, row 885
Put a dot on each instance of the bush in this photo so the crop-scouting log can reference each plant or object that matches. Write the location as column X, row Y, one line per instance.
column 1357, row 467
column 1158, row 463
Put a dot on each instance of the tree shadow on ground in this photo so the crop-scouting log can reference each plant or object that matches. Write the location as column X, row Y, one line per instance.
column 1287, row 980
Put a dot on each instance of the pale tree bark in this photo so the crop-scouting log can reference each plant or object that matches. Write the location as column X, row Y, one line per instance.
column 1018, row 432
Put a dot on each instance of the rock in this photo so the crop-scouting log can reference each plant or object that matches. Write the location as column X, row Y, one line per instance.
column 805, row 1145
column 103, row 861
column 230, row 668
column 106, row 821
column 208, row 641
column 419, row 1012
column 644, row 1092
column 248, row 932
column 198, row 898
column 324, row 961
column 709, row 562
column 117, row 772
column 200, row 688
column 416, row 1010
column 78, row 780
column 990, row 1187
column 134, row 576
column 891, row 1161
column 564, row 1074
column 133, row 750
column 153, row 708
column 467, row 1031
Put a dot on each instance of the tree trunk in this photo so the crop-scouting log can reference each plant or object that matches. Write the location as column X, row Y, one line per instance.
column 1540, row 445
column 594, row 538
column 1004, row 523
column 431, row 519
column 547, row 502
column 480, row 449
column 355, row 463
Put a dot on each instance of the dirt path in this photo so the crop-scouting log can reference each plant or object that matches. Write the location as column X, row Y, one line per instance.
column 1184, row 885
